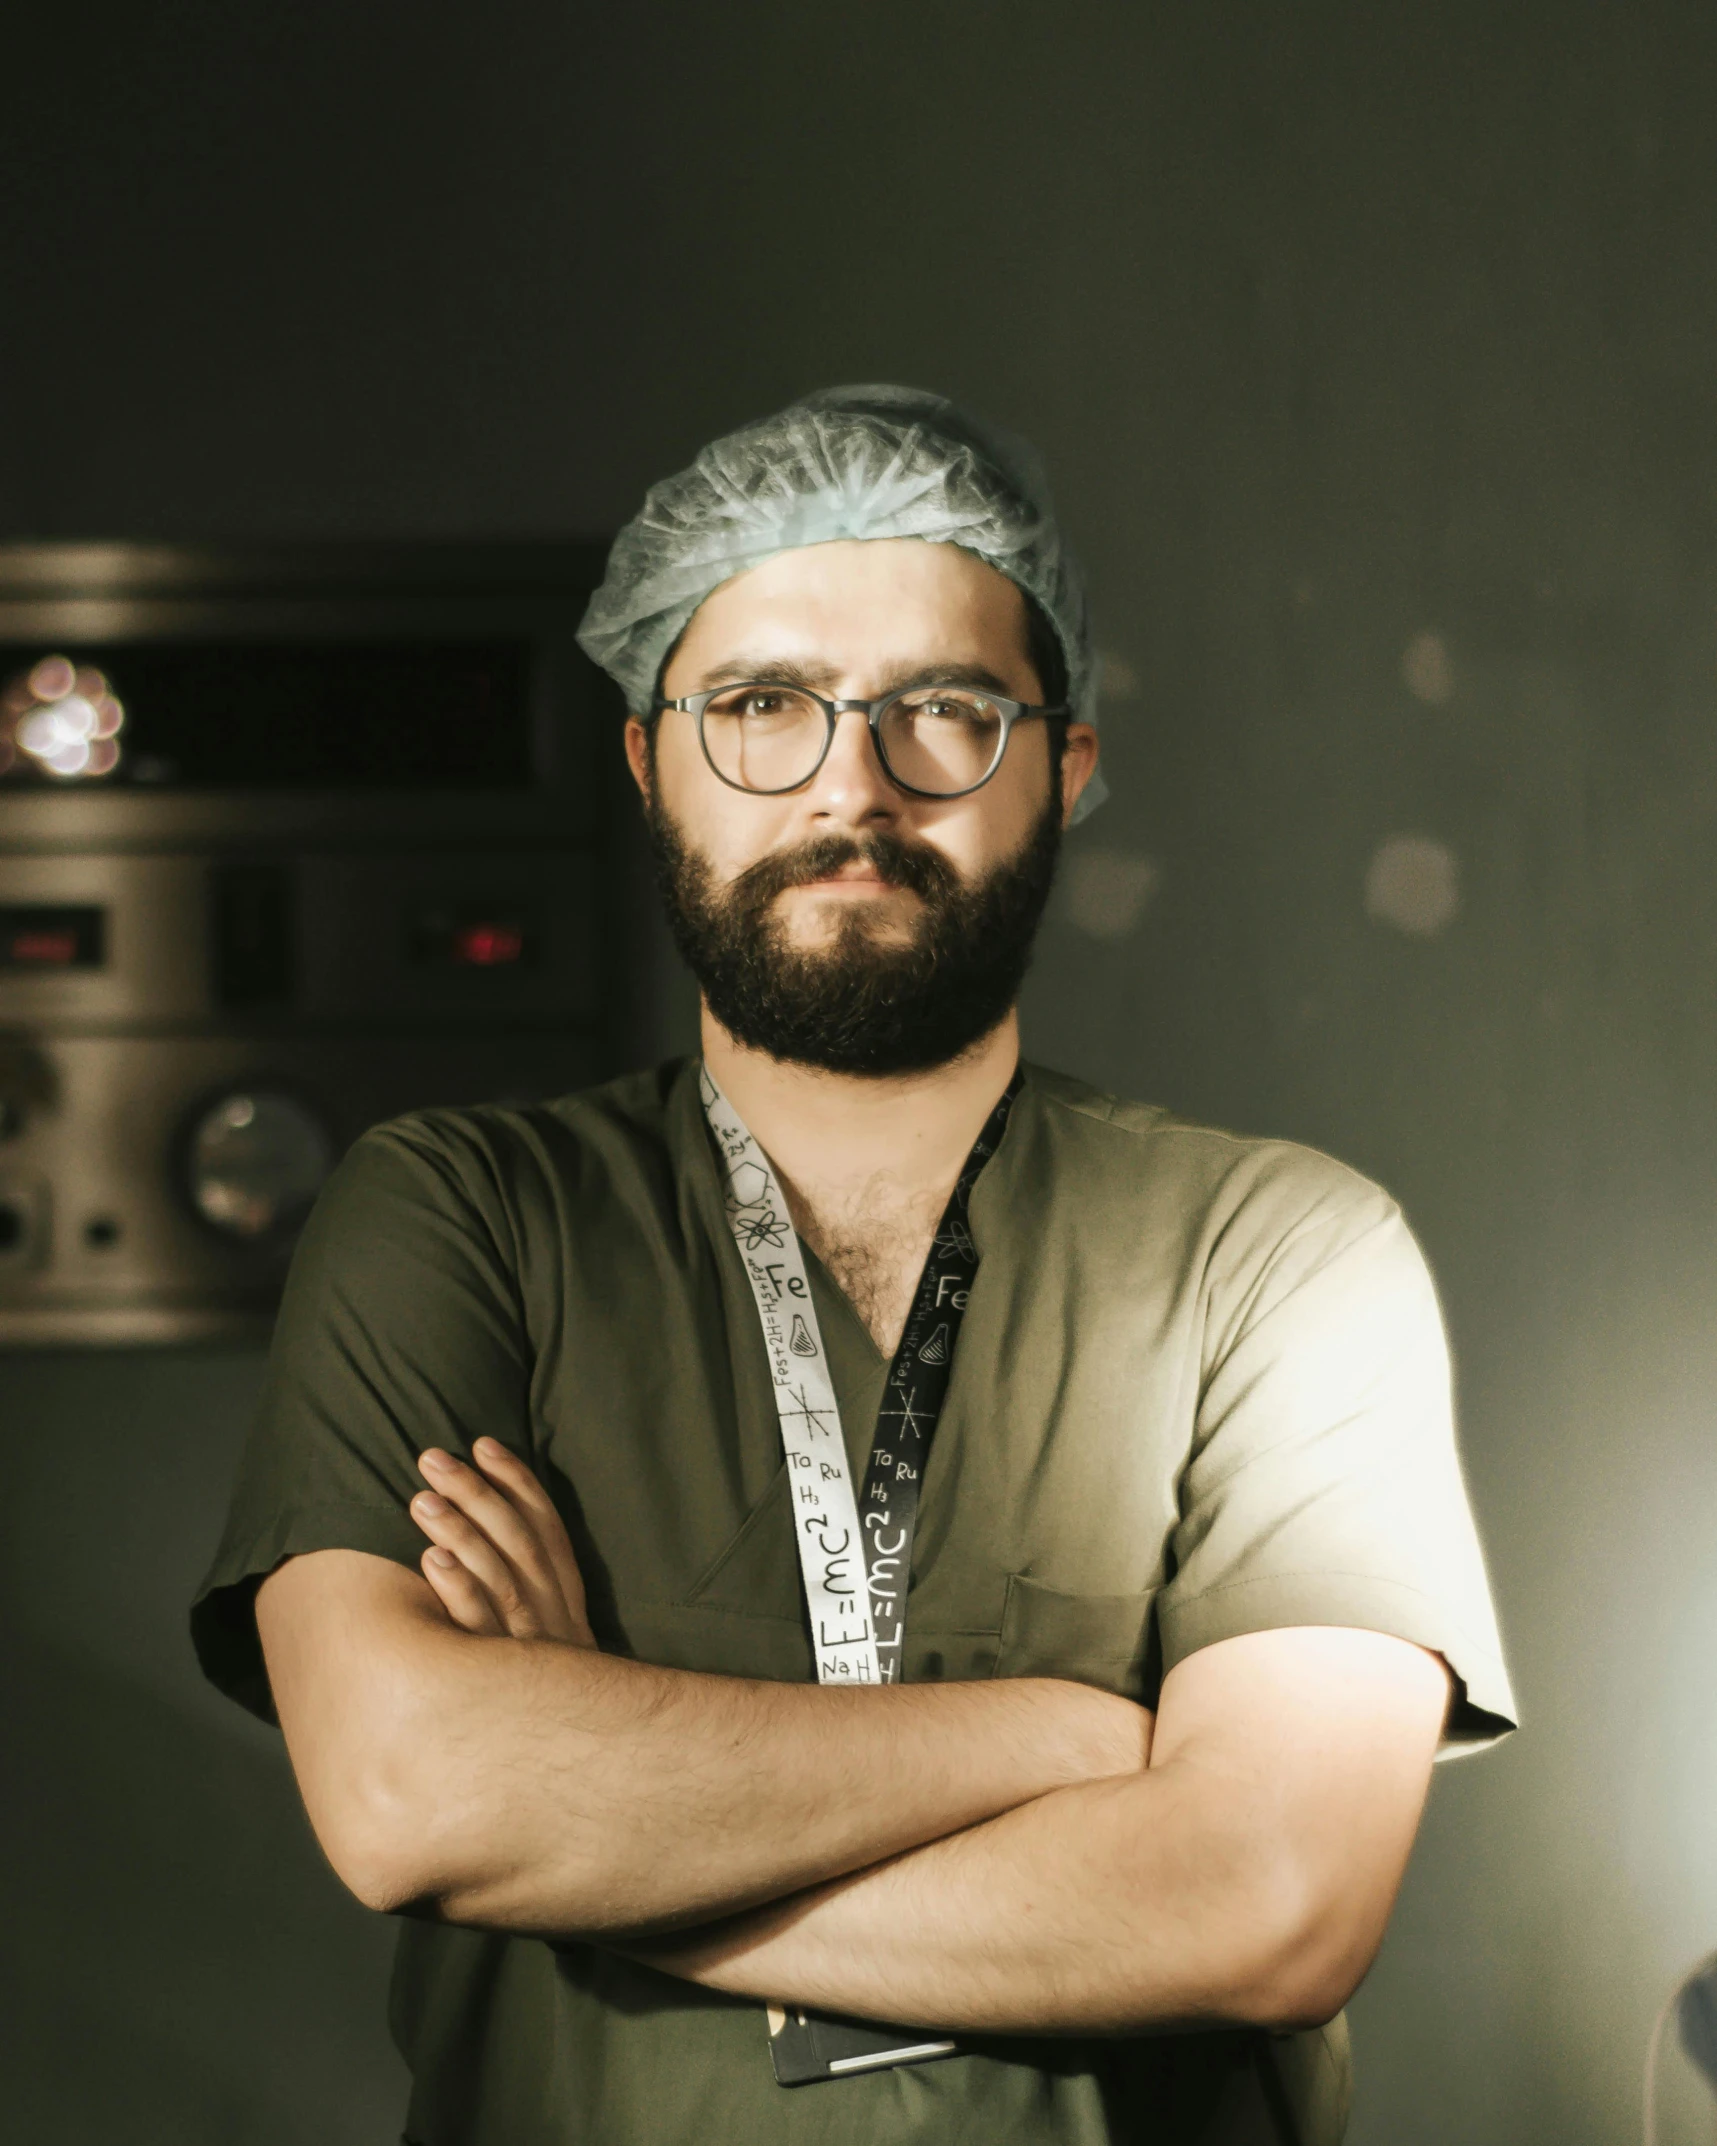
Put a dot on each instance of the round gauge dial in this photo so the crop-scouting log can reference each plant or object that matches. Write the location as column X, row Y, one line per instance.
column 256, row 1161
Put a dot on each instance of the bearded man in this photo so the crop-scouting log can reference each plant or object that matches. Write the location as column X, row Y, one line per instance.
column 942, row 1588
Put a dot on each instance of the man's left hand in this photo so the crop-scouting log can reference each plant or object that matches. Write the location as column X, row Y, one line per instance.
column 500, row 1561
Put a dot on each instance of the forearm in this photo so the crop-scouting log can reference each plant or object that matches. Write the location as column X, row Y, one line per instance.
column 536, row 1786
column 586, row 1793
column 1245, row 1878
column 1106, row 1908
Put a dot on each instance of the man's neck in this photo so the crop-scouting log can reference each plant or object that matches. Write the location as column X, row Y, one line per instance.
column 867, row 1164
column 910, row 1130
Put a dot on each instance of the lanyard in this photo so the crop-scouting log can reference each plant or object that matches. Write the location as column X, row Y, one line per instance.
column 856, row 1569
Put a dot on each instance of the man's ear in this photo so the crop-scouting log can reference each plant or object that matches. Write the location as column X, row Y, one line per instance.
column 1078, row 765
column 638, row 755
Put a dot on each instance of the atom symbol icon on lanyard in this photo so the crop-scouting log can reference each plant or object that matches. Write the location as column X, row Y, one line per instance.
column 759, row 1231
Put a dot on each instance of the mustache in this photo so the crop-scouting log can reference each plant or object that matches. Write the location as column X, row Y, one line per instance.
column 859, row 1005
column 913, row 865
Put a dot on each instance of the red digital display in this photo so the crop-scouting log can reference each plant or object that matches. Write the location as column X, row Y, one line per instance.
column 475, row 935
column 44, row 949
column 69, row 938
column 486, row 946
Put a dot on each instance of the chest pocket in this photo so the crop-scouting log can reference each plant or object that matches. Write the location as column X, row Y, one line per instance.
column 1107, row 1640
column 743, row 1615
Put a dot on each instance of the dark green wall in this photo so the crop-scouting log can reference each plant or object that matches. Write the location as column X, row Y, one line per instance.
column 180, row 1968
column 1372, row 352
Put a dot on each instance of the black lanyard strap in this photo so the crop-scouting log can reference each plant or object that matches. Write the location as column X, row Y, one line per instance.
column 913, row 1398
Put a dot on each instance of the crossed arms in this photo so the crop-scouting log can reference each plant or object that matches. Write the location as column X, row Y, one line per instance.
column 1025, row 1855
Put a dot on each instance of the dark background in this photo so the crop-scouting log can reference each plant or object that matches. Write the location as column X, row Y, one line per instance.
column 1372, row 353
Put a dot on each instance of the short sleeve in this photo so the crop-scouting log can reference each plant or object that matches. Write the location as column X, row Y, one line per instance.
column 400, row 1328
column 1324, row 1486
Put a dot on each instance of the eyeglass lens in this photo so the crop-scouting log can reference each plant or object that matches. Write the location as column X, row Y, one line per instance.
column 938, row 739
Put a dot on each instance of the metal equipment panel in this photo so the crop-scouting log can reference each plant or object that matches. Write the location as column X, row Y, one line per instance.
column 290, row 842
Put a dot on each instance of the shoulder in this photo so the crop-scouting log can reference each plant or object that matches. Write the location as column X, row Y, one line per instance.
column 507, row 1144
column 1143, row 1152
column 507, row 1171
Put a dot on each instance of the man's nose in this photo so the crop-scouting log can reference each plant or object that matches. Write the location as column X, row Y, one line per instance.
column 852, row 785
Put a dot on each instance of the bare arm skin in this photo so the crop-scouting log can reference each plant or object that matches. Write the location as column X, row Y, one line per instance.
column 532, row 1783
column 1246, row 1877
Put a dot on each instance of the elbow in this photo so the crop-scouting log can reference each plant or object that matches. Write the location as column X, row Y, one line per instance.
column 378, row 1884
column 384, row 1805
column 1312, row 1950
column 380, row 1877
column 377, row 1837
column 409, row 1835
column 1298, row 1995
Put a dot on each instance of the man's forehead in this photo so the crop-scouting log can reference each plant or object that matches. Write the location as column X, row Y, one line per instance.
column 892, row 602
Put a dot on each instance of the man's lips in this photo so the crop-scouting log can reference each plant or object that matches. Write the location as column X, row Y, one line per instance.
column 866, row 884
column 861, row 879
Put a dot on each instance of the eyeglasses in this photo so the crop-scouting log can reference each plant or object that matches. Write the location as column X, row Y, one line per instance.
column 935, row 741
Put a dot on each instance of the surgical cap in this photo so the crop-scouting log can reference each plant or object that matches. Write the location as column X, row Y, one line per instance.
column 846, row 462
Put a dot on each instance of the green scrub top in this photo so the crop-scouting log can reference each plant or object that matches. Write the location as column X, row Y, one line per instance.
column 1201, row 1389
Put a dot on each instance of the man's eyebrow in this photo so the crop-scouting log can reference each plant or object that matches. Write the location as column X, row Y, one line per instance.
column 947, row 674
column 772, row 671
column 818, row 677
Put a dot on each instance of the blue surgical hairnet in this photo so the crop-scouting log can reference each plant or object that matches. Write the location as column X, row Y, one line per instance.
column 845, row 462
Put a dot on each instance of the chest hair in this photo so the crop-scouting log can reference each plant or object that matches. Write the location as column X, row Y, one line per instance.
column 874, row 1244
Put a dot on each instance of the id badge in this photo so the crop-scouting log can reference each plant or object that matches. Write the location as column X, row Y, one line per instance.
column 807, row 2046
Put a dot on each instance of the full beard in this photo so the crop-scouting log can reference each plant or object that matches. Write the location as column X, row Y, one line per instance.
column 859, row 1003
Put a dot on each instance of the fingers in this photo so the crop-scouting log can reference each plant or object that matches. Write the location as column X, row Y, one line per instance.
column 516, row 1520
column 512, row 1602
column 518, row 1483
column 460, row 1595
column 501, row 1527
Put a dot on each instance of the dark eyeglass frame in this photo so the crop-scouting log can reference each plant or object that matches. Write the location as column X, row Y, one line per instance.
column 873, row 711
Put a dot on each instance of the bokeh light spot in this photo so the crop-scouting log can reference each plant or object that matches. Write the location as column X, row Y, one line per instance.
column 1426, row 670
column 1117, row 679
column 1414, row 883
column 59, row 719
column 1105, row 892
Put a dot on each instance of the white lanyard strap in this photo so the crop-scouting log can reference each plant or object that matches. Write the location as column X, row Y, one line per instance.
column 825, row 1510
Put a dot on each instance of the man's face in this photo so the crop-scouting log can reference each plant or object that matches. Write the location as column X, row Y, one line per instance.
column 849, row 923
